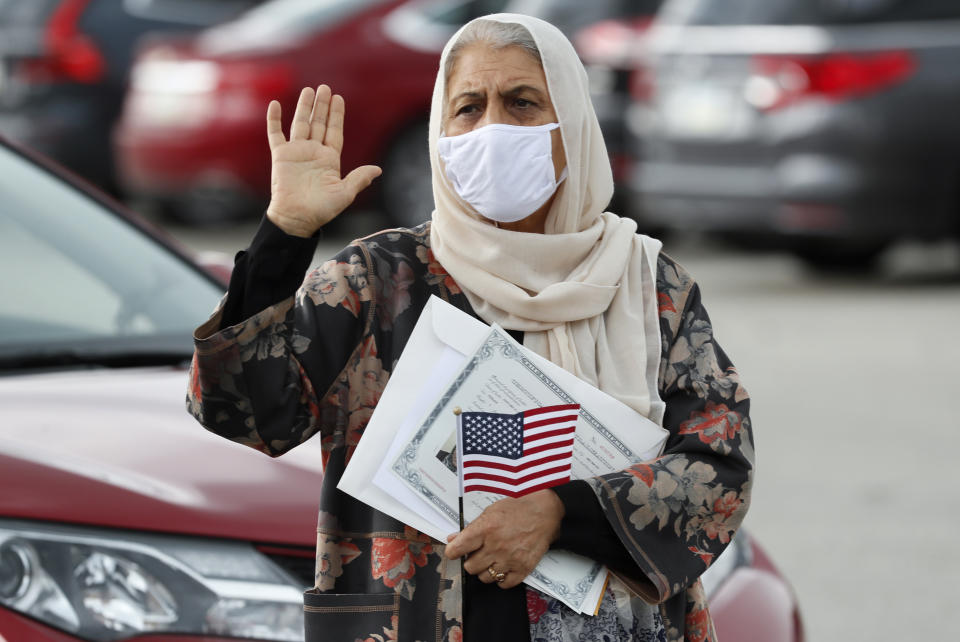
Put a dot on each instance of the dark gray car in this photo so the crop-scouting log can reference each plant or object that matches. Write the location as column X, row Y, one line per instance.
column 64, row 67
column 829, row 127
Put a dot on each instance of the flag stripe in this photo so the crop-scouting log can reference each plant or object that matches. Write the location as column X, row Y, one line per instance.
column 517, row 481
column 511, row 465
column 509, row 493
column 552, row 416
column 541, row 429
column 562, row 419
column 563, row 475
column 544, row 436
column 552, row 442
column 552, row 462
column 540, row 411
column 519, row 490
column 533, row 454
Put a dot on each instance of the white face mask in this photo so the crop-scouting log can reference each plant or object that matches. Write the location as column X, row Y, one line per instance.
column 505, row 172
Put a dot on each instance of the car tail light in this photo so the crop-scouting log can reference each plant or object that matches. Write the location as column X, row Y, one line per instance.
column 642, row 83
column 779, row 81
column 259, row 79
column 621, row 164
column 610, row 42
column 70, row 55
column 189, row 93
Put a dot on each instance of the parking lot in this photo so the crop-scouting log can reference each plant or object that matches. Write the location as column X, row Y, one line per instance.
column 834, row 119
column 852, row 380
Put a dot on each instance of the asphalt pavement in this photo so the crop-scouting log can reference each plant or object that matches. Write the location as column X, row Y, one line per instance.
column 854, row 384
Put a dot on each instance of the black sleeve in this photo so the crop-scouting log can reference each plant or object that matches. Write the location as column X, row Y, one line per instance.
column 494, row 613
column 585, row 529
column 267, row 272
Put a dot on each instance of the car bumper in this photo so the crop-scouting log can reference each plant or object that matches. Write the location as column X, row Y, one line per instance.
column 799, row 196
column 170, row 162
column 16, row 628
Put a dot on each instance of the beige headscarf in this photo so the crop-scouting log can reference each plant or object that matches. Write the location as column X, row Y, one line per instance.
column 584, row 293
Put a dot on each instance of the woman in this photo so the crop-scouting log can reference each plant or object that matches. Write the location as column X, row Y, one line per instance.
column 518, row 237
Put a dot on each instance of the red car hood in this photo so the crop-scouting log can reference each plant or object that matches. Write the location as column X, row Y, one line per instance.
column 117, row 448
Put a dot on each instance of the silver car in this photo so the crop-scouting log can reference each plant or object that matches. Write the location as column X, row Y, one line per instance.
column 828, row 127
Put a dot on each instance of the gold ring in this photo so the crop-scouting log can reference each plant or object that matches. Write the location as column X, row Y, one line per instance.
column 499, row 577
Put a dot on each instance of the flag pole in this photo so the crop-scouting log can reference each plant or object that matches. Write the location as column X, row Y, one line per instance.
column 463, row 572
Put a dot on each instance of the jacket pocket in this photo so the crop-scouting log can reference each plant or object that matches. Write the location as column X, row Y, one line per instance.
column 338, row 617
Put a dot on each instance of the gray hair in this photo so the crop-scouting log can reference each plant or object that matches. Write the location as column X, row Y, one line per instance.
column 497, row 35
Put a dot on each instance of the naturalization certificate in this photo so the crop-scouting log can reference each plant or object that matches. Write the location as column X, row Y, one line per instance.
column 504, row 377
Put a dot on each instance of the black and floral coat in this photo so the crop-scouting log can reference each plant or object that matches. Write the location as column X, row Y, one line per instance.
column 317, row 364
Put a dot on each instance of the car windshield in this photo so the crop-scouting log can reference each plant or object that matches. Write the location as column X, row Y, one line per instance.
column 82, row 285
column 797, row 12
column 278, row 24
column 456, row 14
column 567, row 14
column 300, row 16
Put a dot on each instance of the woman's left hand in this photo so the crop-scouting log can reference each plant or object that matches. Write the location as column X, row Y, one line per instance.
column 510, row 536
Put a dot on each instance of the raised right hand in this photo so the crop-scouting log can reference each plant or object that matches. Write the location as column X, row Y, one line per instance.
column 306, row 190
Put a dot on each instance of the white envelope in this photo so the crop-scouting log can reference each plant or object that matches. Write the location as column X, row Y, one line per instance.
column 443, row 339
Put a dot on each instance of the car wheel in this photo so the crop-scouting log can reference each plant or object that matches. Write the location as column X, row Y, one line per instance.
column 836, row 256
column 406, row 189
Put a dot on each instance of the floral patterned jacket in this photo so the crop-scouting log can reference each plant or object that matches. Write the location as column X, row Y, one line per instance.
column 318, row 363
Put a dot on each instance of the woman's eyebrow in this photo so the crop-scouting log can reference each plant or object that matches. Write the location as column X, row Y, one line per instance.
column 473, row 95
column 519, row 89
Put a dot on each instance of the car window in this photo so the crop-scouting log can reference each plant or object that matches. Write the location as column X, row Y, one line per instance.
column 300, row 16
column 734, row 12
column 567, row 14
column 455, row 14
column 795, row 12
column 188, row 12
column 17, row 11
column 21, row 26
column 77, row 275
column 906, row 10
column 426, row 25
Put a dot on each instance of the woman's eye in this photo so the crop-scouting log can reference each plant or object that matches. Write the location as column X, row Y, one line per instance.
column 466, row 109
column 523, row 103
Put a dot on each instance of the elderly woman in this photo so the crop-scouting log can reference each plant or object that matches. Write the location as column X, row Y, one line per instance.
column 518, row 237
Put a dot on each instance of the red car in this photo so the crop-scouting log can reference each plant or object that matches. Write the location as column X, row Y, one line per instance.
column 192, row 134
column 120, row 517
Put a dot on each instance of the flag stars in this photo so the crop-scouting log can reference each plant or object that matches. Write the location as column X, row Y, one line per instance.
column 496, row 435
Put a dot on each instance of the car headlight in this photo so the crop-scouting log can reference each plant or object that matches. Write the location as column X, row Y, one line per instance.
column 106, row 585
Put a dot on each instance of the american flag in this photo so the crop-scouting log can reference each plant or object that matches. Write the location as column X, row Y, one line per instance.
column 517, row 454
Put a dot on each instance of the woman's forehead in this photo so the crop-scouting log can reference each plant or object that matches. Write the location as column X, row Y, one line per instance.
column 480, row 66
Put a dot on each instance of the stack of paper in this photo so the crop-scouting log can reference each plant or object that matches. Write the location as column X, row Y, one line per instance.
column 404, row 467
